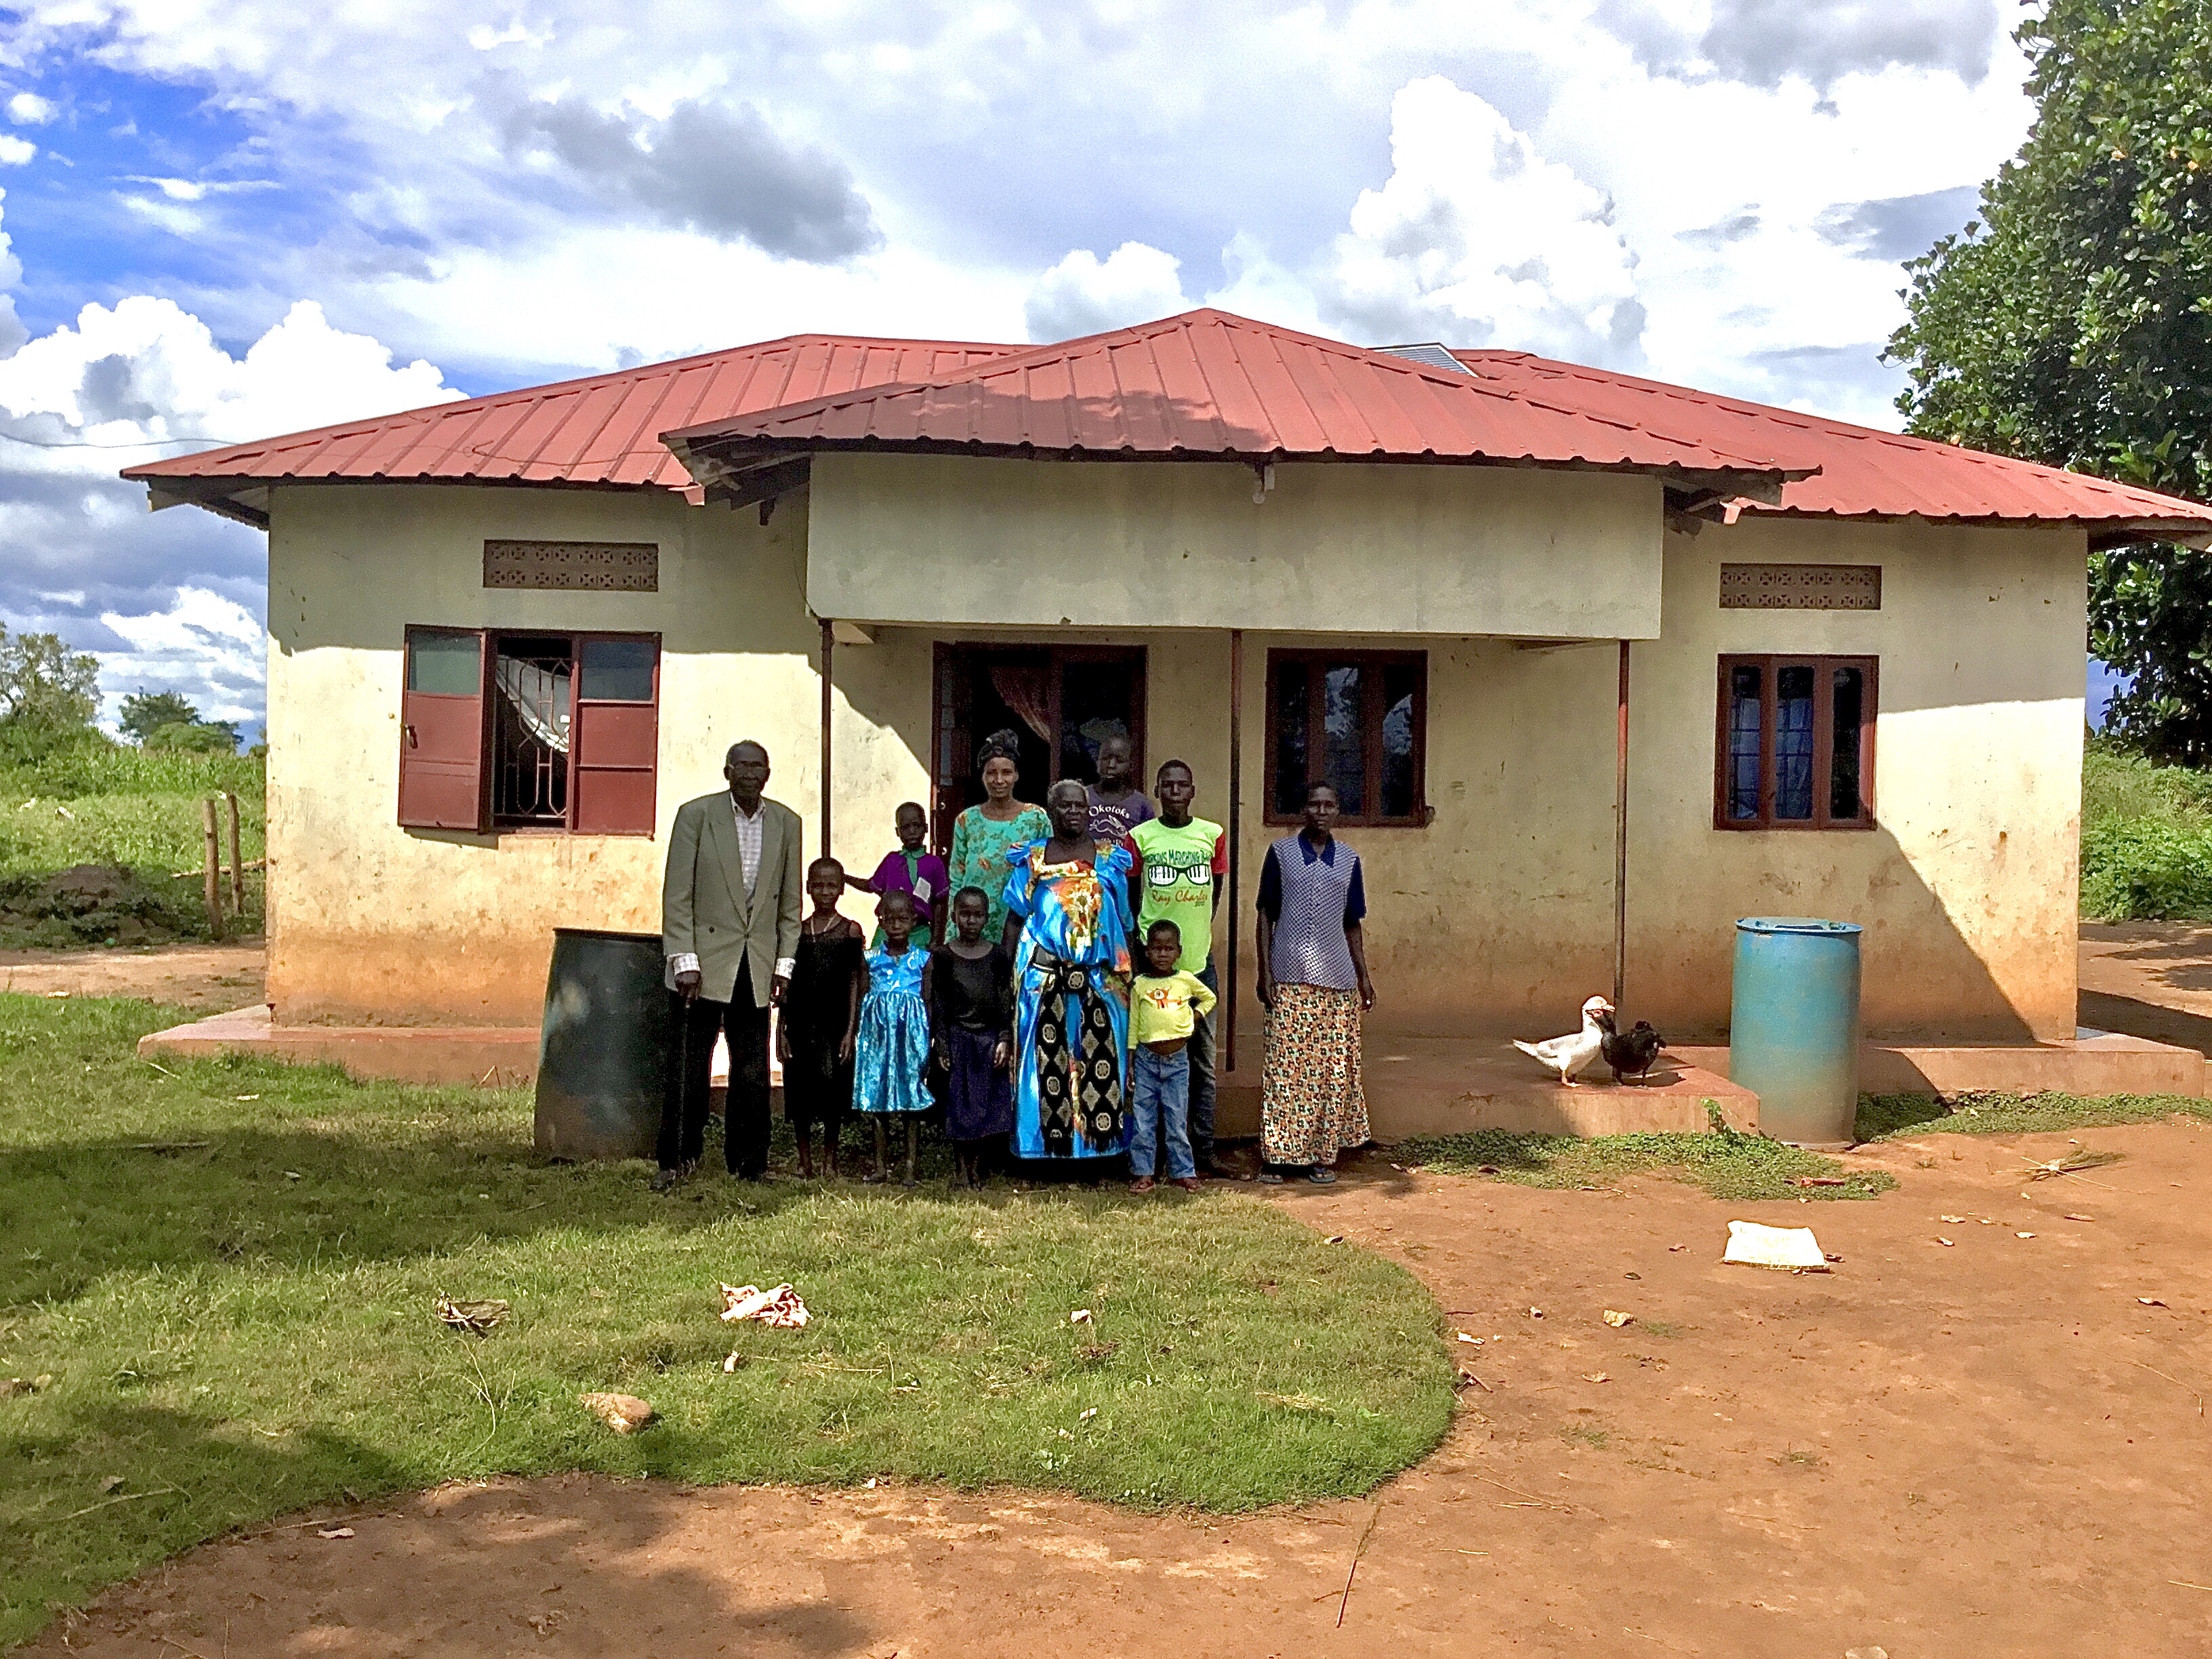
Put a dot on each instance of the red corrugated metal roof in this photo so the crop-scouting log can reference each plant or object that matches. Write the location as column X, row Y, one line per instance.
column 1208, row 383
column 1204, row 383
column 603, row 430
column 1863, row 472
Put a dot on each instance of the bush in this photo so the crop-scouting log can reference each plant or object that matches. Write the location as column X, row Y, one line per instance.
column 2146, row 870
column 2146, row 838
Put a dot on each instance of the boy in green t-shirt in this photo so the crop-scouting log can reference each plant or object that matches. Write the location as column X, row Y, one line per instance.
column 1180, row 861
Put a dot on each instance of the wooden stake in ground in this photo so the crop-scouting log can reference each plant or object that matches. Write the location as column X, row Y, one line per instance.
column 237, row 863
column 212, row 869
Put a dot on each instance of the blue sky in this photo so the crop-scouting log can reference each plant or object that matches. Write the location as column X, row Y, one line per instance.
column 224, row 220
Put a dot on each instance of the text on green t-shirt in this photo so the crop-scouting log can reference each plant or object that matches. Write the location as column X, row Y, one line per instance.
column 1178, row 884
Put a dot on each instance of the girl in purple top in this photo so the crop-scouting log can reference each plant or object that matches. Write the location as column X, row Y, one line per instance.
column 910, row 870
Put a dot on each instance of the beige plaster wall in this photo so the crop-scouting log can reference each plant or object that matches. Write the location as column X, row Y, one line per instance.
column 372, row 921
column 1968, row 886
column 1426, row 549
column 1496, row 917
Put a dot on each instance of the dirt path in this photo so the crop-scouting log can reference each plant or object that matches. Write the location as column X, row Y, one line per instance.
column 2149, row 979
column 1987, row 1448
column 210, row 977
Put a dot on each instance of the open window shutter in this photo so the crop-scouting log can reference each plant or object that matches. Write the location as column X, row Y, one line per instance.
column 615, row 746
column 441, row 731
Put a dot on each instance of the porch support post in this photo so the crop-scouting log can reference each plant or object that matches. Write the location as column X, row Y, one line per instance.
column 829, row 654
column 1620, row 838
column 1227, row 1057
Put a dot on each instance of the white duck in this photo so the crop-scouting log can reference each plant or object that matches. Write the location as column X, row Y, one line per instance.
column 1569, row 1055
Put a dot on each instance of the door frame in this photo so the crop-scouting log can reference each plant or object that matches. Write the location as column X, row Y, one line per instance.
column 952, row 748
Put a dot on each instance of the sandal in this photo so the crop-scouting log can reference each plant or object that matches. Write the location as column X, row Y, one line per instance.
column 1142, row 1185
column 1322, row 1177
column 1270, row 1178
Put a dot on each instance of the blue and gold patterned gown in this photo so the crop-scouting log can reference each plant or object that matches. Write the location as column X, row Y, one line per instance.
column 1071, row 1003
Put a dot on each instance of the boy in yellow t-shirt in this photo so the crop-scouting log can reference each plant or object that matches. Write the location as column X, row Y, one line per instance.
column 1166, row 1005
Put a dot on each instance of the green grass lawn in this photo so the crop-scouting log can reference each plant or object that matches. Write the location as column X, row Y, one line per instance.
column 1886, row 1117
column 218, row 1285
column 134, row 808
column 1726, row 1164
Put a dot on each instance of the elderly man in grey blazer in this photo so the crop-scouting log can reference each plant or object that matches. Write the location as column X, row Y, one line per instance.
column 729, row 925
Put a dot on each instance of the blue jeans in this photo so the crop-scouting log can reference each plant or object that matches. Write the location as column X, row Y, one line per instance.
column 1201, row 1073
column 1159, row 1107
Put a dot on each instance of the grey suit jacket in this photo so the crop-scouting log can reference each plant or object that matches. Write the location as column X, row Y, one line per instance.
column 704, row 909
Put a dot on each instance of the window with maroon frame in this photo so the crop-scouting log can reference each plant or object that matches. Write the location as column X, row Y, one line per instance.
column 1357, row 719
column 1795, row 748
column 511, row 730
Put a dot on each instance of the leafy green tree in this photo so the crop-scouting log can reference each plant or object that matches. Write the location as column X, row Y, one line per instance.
column 2072, row 323
column 43, row 685
column 202, row 737
column 145, row 713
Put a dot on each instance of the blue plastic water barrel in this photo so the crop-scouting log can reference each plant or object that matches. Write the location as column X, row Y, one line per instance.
column 1794, row 1026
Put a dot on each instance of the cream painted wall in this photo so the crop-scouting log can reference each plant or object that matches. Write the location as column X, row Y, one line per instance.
column 372, row 921
column 1496, row 918
column 1968, row 887
column 1426, row 549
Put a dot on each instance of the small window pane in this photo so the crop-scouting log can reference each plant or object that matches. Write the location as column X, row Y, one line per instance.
column 1844, row 797
column 1744, row 692
column 1346, row 714
column 618, row 670
column 531, row 716
column 1793, row 741
column 1290, row 715
column 1400, row 681
column 443, row 665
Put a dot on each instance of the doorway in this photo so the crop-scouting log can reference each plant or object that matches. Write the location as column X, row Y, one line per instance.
column 1060, row 701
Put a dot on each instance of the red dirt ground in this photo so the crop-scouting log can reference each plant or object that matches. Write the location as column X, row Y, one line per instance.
column 1991, row 1448
column 210, row 978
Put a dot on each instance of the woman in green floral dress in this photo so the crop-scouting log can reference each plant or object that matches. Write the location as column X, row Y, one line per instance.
column 982, row 835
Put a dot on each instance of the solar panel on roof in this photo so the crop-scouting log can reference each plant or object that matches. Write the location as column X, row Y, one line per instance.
column 1429, row 354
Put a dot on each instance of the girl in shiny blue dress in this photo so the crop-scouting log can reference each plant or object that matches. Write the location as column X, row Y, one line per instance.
column 891, row 1060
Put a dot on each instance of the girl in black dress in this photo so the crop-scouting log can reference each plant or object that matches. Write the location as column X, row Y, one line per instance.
column 821, row 1020
column 968, row 985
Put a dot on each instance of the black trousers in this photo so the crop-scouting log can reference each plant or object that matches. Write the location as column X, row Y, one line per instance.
column 683, row 1113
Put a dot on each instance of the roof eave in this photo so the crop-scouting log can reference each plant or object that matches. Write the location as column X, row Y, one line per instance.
column 2193, row 531
column 716, row 458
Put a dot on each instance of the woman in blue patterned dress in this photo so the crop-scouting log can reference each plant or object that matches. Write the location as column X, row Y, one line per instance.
column 1068, row 910
column 890, row 1061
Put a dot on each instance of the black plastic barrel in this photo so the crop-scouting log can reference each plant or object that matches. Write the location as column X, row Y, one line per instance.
column 603, row 1054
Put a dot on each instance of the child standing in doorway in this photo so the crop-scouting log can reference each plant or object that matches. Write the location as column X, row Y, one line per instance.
column 1117, row 806
column 890, row 1070
column 910, row 867
column 969, row 988
column 1165, row 1005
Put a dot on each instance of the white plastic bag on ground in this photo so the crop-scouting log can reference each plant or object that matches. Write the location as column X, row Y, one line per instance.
column 1753, row 1246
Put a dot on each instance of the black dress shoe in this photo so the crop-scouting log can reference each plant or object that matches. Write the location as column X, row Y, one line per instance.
column 666, row 1180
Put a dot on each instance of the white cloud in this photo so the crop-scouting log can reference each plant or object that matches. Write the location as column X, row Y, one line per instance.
column 169, row 601
column 15, row 152
column 1085, row 294
column 1477, row 240
column 206, row 646
column 27, row 109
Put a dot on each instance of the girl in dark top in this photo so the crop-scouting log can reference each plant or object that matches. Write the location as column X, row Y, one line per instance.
column 821, row 1018
column 969, row 985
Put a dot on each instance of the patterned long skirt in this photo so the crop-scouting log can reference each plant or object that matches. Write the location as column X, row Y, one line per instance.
column 1312, row 1104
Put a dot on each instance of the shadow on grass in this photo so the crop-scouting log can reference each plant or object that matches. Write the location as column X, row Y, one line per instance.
column 225, row 1270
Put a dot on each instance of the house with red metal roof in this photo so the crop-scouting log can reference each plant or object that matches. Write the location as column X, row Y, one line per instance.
column 1597, row 665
